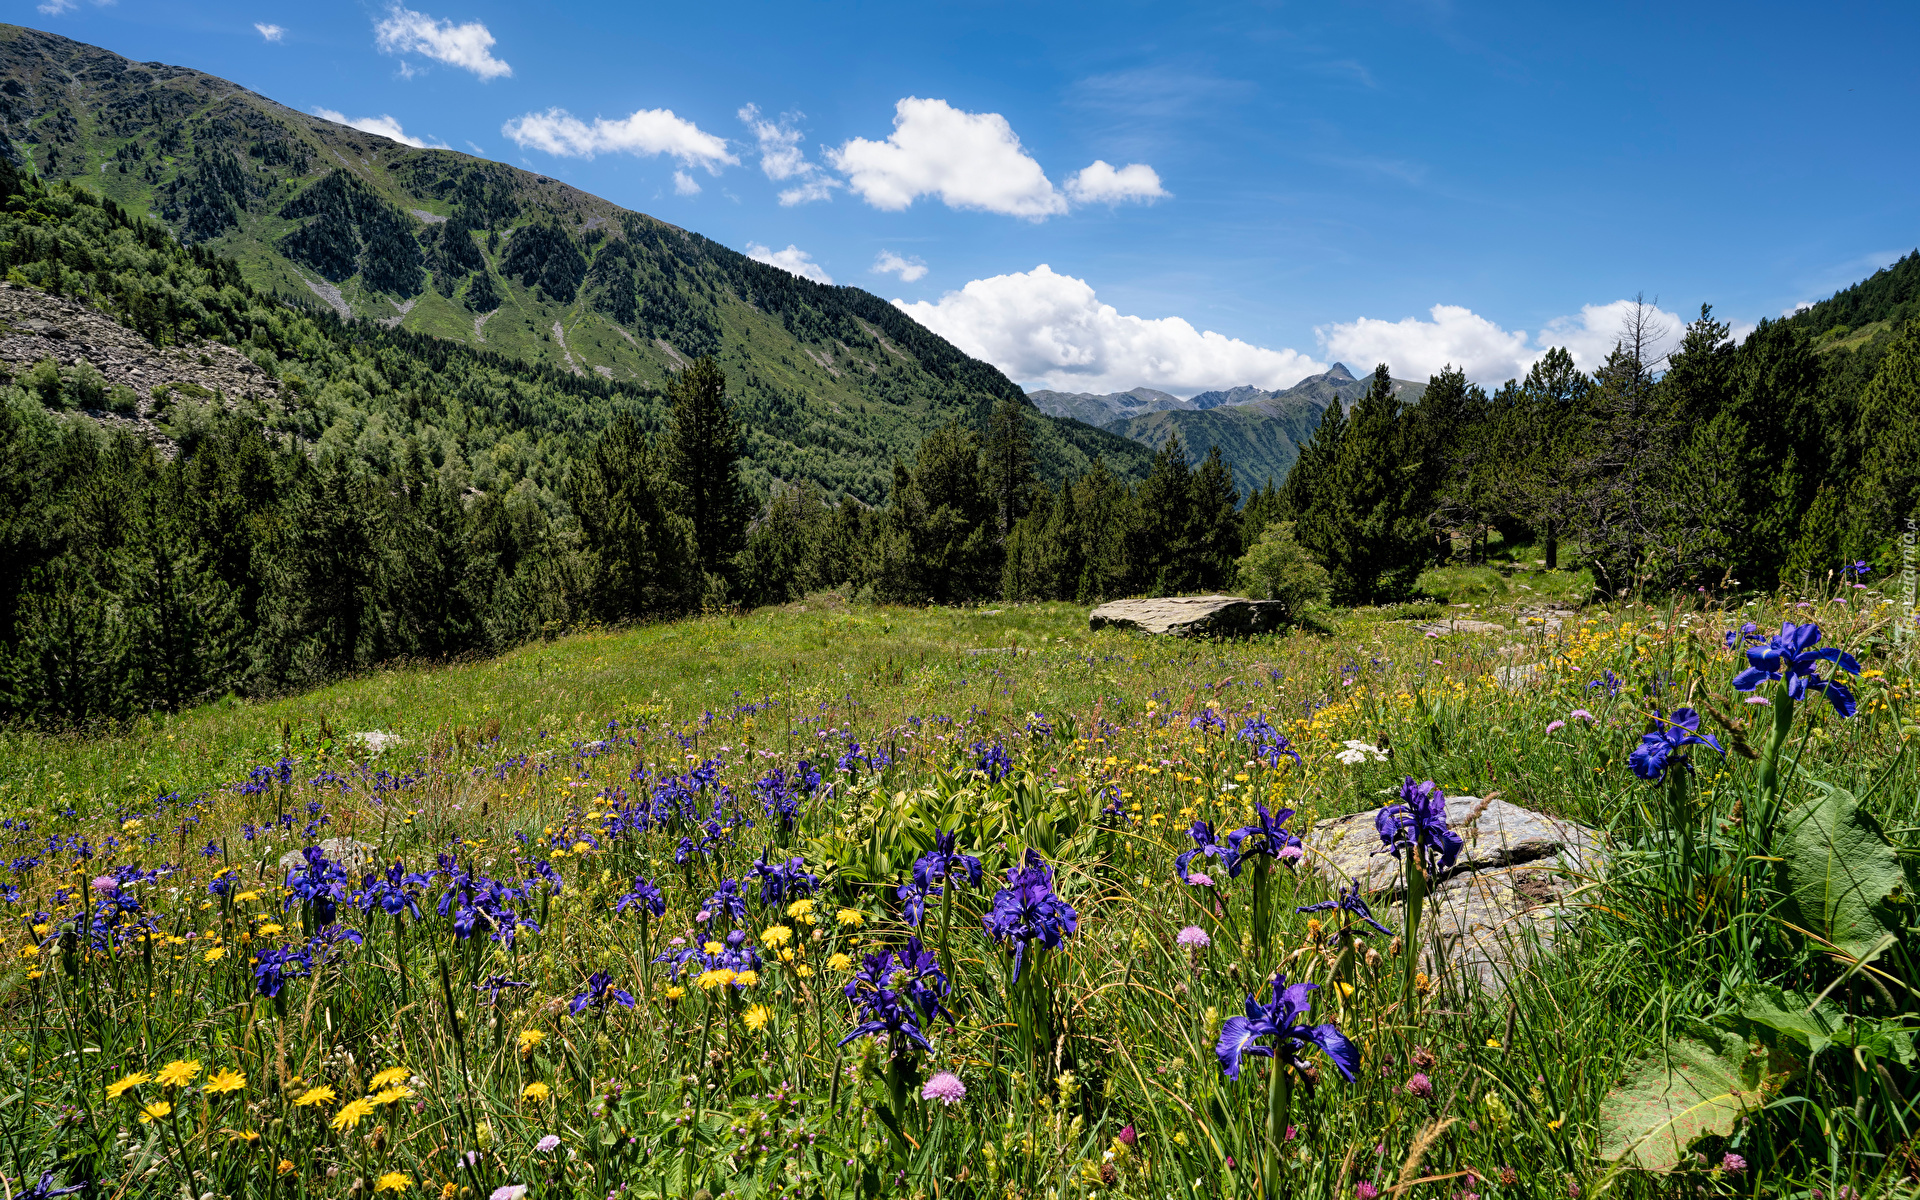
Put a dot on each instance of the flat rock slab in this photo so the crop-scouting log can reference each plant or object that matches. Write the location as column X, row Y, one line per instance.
column 1191, row 616
column 350, row 854
column 1443, row 628
column 1500, row 902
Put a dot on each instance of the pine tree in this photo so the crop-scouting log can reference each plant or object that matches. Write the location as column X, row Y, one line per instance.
column 1009, row 461
column 631, row 513
column 1213, row 525
column 703, row 448
column 1162, row 533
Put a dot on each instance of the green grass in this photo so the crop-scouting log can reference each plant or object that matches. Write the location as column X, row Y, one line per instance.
column 742, row 1091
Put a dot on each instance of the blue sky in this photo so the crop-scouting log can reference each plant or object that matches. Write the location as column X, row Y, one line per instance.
column 1217, row 194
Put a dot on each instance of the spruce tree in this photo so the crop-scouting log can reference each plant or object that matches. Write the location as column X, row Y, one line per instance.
column 631, row 513
column 1009, row 461
column 1213, row 525
column 703, row 448
column 1163, row 527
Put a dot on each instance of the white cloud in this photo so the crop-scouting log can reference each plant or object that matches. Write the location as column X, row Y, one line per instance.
column 908, row 269
column 383, row 125
column 271, row 33
column 466, row 46
column 792, row 259
column 685, row 184
column 1103, row 183
column 648, row 131
column 782, row 159
column 54, row 8
column 1049, row 329
column 1457, row 336
column 968, row 160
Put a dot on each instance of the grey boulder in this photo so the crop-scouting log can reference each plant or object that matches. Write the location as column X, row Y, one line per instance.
column 1191, row 616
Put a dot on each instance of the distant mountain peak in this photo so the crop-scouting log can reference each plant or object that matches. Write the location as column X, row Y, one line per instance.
column 1337, row 371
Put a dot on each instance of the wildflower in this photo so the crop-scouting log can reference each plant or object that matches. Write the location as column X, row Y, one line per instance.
column 285, row 1166
column 993, row 761
column 1202, row 834
column 178, row 1073
column 535, row 1091
column 1555, row 726
column 1278, row 1021
column 1356, row 752
column 1609, row 681
column 1365, row 1190
column 391, row 1095
column 105, row 884
column 350, row 1113
column 756, row 1017
column 888, row 1013
column 1649, row 759
column 509, row 1191
column 1745, row 635
column 272, row 968
column 1581, row 714
column 388, row 1078
column 775, row 936
column 393, row 1181
column 1348, row 901
column 710, row 980
column 783, row 881
column 801, row 910
column 912, row 971
column 1200, row 879
column 1193, row 937
column 1419, row 1087
column 125, row 1083
column 850, row 917
column 1028, row 911
column 745, row 979
column 1790, row 653
column 529, row 1038
column 44, row 1190
column 225, row 1080
column 944, row 1087
column 1419, row 824
column 215, row 954
column 154, row 1111
column 1732, row 1163
column 597, row 990
column 548, row 1144
column 840, row 962
column 313, row 1096
column 1268, row 835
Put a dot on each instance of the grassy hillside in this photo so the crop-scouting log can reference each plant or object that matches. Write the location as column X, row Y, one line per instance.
column 833, row 383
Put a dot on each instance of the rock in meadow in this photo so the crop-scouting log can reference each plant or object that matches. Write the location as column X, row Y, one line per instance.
column 1191, row 616
column 1499, row 903
column 350, row 854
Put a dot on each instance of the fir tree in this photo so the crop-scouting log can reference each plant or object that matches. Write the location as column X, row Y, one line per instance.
column 703, row 450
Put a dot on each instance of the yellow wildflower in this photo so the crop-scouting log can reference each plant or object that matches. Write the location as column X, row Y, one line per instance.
column 351, row 1112
column 241, row 1135
column 746, row 979
column 178, row 1073
column 154, row 1111
column 244, row 897
column 393, row 1181
column 850, row 916
column 125, row 1083
column 801, row 911
column 535, row 1091
column 313, row 1096
column 803, row 971
column 225, row 1080
column 710, row 980
column 1493, row 1043
column 840, row 962
column 215, row 954
column 397, row 1092
column 388, row 1078
column 675, row 992
column 787, row 956
column 529, row 1038
column 268, row 930
column 776, row 936
column 712, row 947
column 286, row 1165
column 756, row 1017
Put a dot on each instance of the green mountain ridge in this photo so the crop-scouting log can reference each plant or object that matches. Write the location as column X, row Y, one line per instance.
column 832, row 384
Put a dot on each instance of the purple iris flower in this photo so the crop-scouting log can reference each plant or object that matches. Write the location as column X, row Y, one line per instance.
column 1202, row 833
column 1279, row 1021
column 1027, row 911
column 1268, row 835
column 1649, row 758
column 944, row 861
column 493, row 985
column 320, row 884
column 644, row 894
column 1269, row 743
column 888, row 1013
column 913, row 971
column 44, row 1190
column 779, row 882
column 1348, row 901
column 1419, row 823
column 1747, row 634
column 1608, row 680
column 396, row 891
column 597, row 990
column 1860, row 568
column 729, row 899
column 994, row 760
column 272, row 968
column 1791, row 653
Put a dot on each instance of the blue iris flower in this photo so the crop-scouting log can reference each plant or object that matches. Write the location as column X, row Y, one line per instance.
column 1608, row 680
column 644, row 894
column 596, row 992
column 44, row 1190
column 1280, row 1021
column 887, row 1012
column 1649, row 759
column 1746, row 635
column 272, row 968
column 1268, row 835
column 779, row 882
column 994, row 760
column 1791, row 654
column 1027, row 911
column 1202, row 833
column 1419, row 824
column 1348, row 901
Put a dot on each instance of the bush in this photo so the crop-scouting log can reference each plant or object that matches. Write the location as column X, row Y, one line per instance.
column 85, row 387
column 1279, row 568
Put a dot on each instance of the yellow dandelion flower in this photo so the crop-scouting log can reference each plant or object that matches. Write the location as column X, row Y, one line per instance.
column 712, row 947
column 242, row 1135
column 215, row 954
column 178, row 1073
column 154, row 1111
column 710, row 980
column 746, row 979
column 675, row 992
column 351, row 1112
column 535, row 1091
column 801, row 910
column 398, row 1092
column 225, row 1080
column 529, row 1038
column 313, row 1096
column 286, row 1166
column 393, row 1181
column 850, row 916
column 126, row 1083
column 268, row 930
column 787, row 956
column 244, row 897
column 1493, row 1043
column 840, row 962
column 776, row 936
column 388, row 1078
column 756, row 1017
column 803, row 971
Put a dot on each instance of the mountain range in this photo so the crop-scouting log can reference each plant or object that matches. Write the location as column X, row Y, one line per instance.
column 833, row 384
column 1259, row 432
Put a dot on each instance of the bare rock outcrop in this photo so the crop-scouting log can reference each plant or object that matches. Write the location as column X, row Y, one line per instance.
column 1191, row 616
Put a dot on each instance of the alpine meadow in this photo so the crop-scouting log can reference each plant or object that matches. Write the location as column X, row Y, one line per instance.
column 502, row 696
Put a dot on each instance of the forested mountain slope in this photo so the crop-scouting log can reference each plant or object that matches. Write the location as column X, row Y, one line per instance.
column 831, row 383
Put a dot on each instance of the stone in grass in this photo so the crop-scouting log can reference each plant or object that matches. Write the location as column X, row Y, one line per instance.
column 1191, row 616
column 374, row 741
column 350, row 854
column 1501, row 901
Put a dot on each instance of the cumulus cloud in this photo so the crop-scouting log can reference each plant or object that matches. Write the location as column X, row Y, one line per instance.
column 383, row 125
column 647, row 132
column 792, row 259
column 1041, row 327
column 782, row 160
column 1489, row 354
column 685, row 184
column 271, row 33
column 968, row 160
column 908, row 269
column 469, row 46
column 1104, row 183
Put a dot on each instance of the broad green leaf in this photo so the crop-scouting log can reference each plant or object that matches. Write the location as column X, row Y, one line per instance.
column 1692, row 1088
column 1839, row 873
column 1786, row 1013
